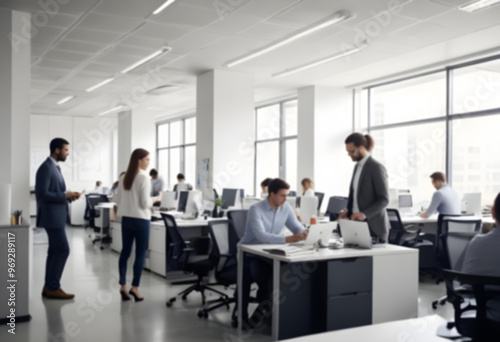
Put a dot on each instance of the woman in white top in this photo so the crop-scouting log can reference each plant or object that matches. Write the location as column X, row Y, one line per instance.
column 134, row 207
column 307, row 187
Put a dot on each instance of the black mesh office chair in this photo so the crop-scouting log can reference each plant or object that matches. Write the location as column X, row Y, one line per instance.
column 402, row 236
column 471, row 320
column 335, row 205
column 180, row 256
column 237, row 220
column 320, row 196
column 91, row 213
column 456, row 233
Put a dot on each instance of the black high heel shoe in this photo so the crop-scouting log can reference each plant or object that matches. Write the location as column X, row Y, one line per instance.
column 136, row 298
column 125, row 296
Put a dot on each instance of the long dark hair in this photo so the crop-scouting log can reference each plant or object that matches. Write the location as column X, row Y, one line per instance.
column 133, row 167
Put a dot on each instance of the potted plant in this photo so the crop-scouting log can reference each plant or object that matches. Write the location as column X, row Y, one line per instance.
column 218, row 204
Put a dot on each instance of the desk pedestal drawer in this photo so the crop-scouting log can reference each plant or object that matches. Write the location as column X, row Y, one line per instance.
column 349, row 311
column 157, row 263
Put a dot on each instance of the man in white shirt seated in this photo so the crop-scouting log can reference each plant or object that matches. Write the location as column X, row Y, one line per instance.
column 445, row 200
column 265, row 222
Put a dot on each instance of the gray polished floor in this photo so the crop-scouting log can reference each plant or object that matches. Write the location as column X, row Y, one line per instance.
column 98, row 314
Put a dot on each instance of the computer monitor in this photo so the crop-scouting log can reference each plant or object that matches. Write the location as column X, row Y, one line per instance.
column 405, row 201
column 194, row 203
column 471, row 203
column 168, row 200
column 231, row 198
column 182, row 202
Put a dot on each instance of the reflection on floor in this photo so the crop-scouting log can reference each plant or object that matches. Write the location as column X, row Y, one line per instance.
column 98, row 314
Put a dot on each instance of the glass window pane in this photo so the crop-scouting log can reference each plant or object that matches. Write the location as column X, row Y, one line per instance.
column 268, row 122
column 361, row 110
column 476, row 87
column 176, row 133
column 291, row 163
column 163, row 166
column 163, row 135
column 415, row 99
column 290, row 117
column 411, row 154
column 475, row 167
column 175, row 164
column 190, row 131
column 267, row 162
column 190, row 165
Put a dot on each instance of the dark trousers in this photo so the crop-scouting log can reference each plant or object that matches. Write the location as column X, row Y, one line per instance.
column 260, row 271
column 57, row 255
column 133, row 229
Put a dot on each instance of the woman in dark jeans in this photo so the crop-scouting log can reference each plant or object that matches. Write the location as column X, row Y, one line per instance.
column 134, row 207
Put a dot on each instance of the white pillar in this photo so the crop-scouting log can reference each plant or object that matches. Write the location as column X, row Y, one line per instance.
column 324, row 121
column 124, row 139
column 15, row 84
column 225, row 128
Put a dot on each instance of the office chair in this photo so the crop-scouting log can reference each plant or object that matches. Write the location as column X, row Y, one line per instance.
column 401, row 236
column 335, row 205
column 91, row 214
column 237, row 220
column 320, row 196
column 455, row 237
column 292, row 193
column 180, row 256
column 471, row 320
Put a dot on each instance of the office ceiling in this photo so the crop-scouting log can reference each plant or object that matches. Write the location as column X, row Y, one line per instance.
column 78, row 44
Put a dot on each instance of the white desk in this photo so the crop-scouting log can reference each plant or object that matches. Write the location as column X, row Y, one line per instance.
column 429, row 225
column 391, row 274
column 421, row 329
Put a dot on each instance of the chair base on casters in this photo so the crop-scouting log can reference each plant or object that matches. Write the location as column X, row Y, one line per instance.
column 199, row 287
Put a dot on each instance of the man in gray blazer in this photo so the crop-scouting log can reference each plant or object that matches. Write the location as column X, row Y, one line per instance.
column 52, row 214
column 369, row 190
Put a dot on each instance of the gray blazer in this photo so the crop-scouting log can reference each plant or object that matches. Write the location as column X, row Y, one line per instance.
column 373, row 197
column 50, row 190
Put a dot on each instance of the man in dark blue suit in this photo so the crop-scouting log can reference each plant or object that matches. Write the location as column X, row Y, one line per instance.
column 52, row 213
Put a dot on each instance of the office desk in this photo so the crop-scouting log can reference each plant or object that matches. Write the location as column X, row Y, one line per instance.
column 421, row 329
column 103, row 220
column 429, row 225
column 337, row 289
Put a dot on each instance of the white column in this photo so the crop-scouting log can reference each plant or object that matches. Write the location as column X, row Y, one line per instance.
column 15, row 76
column 225, row 128
column 324, row 121
column 124, row 139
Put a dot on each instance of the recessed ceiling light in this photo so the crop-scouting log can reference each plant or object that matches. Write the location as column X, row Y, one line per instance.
column 106, row 81
column 152, row 56
column 112, row 110
column 162, row 7
column 478, row 5
column 163, row 89
column 331, row 20
column 66, row 99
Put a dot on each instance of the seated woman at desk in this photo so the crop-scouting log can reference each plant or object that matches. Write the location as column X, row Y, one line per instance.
column 134, row 207
column 307, row 187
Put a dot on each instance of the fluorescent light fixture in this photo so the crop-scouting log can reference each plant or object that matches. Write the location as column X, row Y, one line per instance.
column 106, row 81
column 478, row 5
column 320, row 61
column 112, row 109
column 156, row 54
column 66, row 99
column 331, row 20
column 162, row 7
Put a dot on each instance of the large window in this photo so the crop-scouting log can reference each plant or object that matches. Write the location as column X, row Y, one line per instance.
column 176, row 150
column 442, row 121
column 276, row 143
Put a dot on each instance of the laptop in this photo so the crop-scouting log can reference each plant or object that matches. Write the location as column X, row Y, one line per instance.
column 317, row 232
column 356, row 234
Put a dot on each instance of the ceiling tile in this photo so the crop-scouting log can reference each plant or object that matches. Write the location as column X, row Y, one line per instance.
column 469, row 22
column 109, row 23
column 185, row 16
column 268, row 30
column 142, row 42
column 67, row 55
column 62, row 20
column 79, row 46
column 232, row 24
column 423, row 9
column 166, row 33
column 200, row 39
column 128, row 8
column 58, row 64
column 42, row 38
column 93, row 36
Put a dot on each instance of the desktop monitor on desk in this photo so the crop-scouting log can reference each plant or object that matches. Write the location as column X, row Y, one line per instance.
column 405, row 203
column 471, row 203
column 168, row 200
column 232, row 198
column 182, row 202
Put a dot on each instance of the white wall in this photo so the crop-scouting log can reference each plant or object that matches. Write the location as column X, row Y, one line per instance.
column 91, row 148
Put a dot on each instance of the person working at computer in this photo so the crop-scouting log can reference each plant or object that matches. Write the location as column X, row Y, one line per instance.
column 369, row 191
column 265, row 222
column 482, row 257
column 157, row 186
column 445, row 200
column 134, row 207
column 307, row 187
column 182, row 185
column 263, row 187
column 98, row 188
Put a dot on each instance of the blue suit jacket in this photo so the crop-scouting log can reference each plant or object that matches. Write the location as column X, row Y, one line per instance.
column 51, row 202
